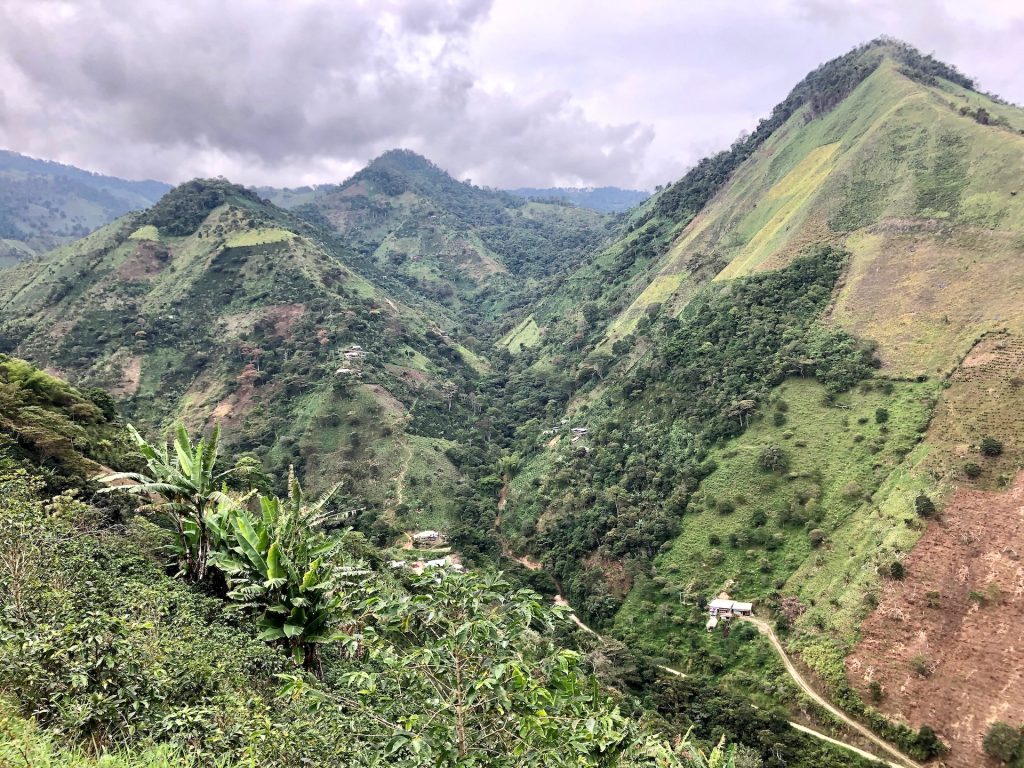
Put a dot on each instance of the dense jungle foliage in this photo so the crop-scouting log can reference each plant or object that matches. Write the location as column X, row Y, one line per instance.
column 710, row 375
column 105, row 652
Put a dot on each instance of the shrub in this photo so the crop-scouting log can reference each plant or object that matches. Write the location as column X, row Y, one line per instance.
column 991, row 447
column 875, row 689
column 924, row 506
column 778, row 418
column 921, row 665
column 896, row 570
column 817, row 537
column 773, row 459
column 927, row 744
column 1003, row 742
column 881, row 415
column 851, row 491
column 972, row 470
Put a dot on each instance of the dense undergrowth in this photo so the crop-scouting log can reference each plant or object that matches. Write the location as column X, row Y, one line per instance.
column 649, row 438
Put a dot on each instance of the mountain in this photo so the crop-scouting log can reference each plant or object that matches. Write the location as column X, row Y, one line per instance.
column 790, row 376
column 190, row 673
column 810, row 337
column 214, row 305
column 45, row 204
column 601, row 199
column 481, row 255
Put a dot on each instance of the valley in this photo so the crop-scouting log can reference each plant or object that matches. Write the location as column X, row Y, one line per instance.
column 792, row 376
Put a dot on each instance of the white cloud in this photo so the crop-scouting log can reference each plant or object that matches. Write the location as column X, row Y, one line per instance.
column 507, row 92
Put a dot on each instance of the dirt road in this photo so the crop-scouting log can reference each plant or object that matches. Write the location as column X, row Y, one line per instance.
column 904, row 761
column 765, row 629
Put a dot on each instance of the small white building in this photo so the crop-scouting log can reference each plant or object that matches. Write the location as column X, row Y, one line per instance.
column 726, row 609
column 444, row 562
column 426, row 537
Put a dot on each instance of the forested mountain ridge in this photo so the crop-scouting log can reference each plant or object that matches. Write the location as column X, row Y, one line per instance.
column 804, row 496
column 481, row 255
column 110, row 658
column 216, row 306
column 45, row 204
column 601, row 199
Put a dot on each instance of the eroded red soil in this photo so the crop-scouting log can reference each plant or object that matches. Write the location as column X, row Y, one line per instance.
column 947, row 642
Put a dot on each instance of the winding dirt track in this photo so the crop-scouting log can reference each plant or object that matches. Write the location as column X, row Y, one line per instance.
column 765, row 629
column 903, row 761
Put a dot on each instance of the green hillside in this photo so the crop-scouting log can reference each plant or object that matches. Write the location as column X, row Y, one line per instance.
column 45, row 204
column 894, row 168
column 600, row 199
column 711, row 460
column 481, row 255
column 111, row 659
column 214, row 306
column 791, row 376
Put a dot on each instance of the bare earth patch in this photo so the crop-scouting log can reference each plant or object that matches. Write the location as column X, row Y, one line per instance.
column 146, row 261
column 284, row 316
column 947, row 643
column 131, row 376
column 614, row 574
column 232, row 409
column 392, row 406
column 406, row 374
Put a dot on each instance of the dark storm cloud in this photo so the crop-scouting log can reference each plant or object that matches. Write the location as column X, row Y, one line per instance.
column 508, row 92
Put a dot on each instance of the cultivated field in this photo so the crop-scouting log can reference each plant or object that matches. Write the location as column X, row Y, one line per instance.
column 945, row 643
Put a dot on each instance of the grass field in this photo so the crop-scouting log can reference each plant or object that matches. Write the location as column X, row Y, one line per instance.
column 146, row 232
column 264, row 236
column 523, row 336
column 926, row 199
column 749, row 532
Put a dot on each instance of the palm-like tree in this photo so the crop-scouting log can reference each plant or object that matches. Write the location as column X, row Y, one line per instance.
column 282, row 562
column 185, row 486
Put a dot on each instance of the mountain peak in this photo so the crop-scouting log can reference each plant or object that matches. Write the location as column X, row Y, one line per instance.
column 183, row 209
column 406, row 162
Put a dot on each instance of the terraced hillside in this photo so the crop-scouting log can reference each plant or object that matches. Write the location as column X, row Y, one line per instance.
column 215, row 306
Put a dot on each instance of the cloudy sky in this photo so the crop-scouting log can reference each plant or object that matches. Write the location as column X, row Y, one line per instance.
column 505, row 92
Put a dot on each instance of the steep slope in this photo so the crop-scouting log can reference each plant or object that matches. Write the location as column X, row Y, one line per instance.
column 479, row 255
column 899, row 167
column 216, row 306
column 703, row 457
column 45, row 204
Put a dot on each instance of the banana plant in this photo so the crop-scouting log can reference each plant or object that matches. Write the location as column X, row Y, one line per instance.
column 185, row 486
column 281, row 562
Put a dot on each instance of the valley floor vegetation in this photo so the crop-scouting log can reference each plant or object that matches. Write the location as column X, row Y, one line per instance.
column 178, row 615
